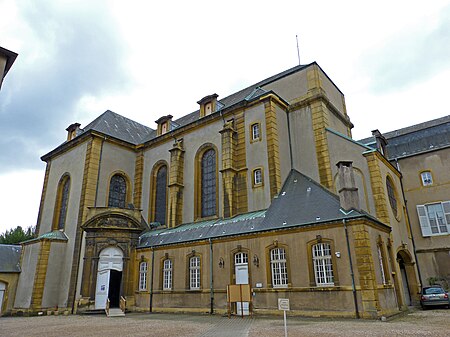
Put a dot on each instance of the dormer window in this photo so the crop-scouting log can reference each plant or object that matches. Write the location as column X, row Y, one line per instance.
column 208, row 105
column 164, row 124
column 73, row 130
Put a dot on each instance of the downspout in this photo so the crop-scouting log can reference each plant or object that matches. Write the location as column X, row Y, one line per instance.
column 289, row 139
column 355, row 300
column 211, row 286
column 409, row 223
column 151, row 280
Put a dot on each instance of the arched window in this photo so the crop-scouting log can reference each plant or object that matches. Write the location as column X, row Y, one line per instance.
column 62, row 202
column 392, row 195
column 167, row 275
column 117, row 191
column 160, row 197
column 208, row 183
column 323, row 266
column 278, row 268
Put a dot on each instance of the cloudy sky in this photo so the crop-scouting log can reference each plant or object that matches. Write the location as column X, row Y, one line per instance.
column 143, row 60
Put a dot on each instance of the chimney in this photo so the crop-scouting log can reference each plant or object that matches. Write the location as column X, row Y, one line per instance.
column 381, row 142
column 208, row 105
column 73, row 130
column 348, row 192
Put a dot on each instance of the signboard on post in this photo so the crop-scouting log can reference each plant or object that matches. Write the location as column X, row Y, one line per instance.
column 283, row 304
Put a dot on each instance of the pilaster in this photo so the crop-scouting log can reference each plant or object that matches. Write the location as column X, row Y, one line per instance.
column 44, row 191
column 273, row 151
column 40, row 275
column 366, row 272
column 228, row 170
column 138, row 174
column 175, row 216
column 88, row 195
column 378, row 192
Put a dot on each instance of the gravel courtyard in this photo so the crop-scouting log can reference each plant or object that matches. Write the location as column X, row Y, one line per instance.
column 416, row 323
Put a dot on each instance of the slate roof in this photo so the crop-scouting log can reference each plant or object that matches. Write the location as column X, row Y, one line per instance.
column 117, row 126
column 415, row 139
column 248, row 93
column 10, row 258
column 301, row 202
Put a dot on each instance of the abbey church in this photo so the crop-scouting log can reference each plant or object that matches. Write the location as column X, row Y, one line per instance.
column 264, row 187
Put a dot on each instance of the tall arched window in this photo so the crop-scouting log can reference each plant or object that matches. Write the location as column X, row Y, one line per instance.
column 62, row 202
column 117, row 191
column 160, row 197
column 208, row 183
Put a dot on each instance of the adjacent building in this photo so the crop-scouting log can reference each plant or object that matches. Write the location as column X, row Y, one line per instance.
column 422, row 154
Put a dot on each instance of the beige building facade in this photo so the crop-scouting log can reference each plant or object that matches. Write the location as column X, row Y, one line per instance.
column 264, row 187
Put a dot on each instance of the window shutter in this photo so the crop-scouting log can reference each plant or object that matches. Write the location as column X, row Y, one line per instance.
column 446, row 207
column 423, row 219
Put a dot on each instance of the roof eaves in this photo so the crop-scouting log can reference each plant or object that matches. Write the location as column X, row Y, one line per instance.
column 348, row 138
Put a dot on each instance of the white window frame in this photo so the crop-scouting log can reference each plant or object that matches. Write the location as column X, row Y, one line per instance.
column 323, row 264
column 278, row 267
column 257, row 176
column 167, row 274
column 194, row 273
column 427, row 178
column 256, row 131
column 143, row 276
column 430, row 224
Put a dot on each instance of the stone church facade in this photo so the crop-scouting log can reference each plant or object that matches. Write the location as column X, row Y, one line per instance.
column 264, row 187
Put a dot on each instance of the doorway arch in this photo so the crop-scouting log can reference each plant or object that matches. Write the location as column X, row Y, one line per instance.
column 109, row 277
column 408, row 276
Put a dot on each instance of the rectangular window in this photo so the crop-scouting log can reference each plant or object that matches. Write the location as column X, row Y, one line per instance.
column 434, row 218
column 278, row 268
column 194, row 273
column 143, row 276
column 255, row 132
column 323, row 267
column 167, row 275
column 257, row 177
column 427, row 179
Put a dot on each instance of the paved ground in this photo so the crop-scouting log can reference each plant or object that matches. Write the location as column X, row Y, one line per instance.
column 434, row 323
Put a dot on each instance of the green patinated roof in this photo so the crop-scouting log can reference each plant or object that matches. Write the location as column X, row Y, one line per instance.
column 53, row 235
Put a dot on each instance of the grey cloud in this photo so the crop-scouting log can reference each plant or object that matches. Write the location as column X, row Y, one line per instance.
column 409, row 58
column 82, row 54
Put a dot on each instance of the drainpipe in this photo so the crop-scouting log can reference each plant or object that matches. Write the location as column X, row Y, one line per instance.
column 409, row 222
column 355, row 300
column 151, row 280
column 211, row 286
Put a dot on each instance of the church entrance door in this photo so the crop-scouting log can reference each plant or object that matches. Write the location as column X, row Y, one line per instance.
column 109, row 277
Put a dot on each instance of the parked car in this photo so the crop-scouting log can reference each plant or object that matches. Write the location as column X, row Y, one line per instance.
column 434, row 296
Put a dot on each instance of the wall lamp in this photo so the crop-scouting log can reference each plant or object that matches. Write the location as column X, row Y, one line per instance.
column 256, row 260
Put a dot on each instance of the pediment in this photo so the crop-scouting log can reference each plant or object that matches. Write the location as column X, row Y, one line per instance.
column 114, row 220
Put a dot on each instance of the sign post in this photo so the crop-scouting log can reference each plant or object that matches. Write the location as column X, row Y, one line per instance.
column 283, row 304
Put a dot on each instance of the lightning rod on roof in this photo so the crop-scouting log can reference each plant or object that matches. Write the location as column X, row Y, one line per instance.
column 298, row 50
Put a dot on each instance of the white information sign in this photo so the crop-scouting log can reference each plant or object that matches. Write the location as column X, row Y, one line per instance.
column 283, row 304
